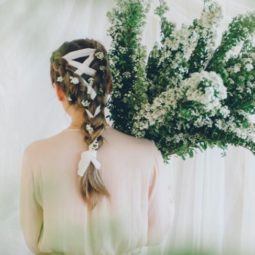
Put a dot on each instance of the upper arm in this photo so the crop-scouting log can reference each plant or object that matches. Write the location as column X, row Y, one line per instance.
column 31, row 217
column 161, row 205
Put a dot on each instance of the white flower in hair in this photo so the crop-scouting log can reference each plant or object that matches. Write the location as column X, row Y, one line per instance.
column 89, row 128
column 91, row 80
column 91, row 92
column 85, row 103
column 60, row 79
column 90, row 89
column 74, row 80
column 102, row 68
column 99, row 55
column 94, row 145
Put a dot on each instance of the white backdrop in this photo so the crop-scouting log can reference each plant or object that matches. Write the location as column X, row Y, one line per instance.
column 214, row 195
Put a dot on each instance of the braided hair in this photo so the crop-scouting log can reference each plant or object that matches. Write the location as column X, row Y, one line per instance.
column 62, row 74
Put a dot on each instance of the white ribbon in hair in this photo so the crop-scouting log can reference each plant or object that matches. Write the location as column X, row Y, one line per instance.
column 87, row 157
column 95, row 113
column 81, row 67
column 90, row 90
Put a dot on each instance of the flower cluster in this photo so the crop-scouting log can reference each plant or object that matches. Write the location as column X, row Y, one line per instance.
column 190, row 94
column 206, row 88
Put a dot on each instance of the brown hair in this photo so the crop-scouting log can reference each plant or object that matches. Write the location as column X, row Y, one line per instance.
column 91, row 184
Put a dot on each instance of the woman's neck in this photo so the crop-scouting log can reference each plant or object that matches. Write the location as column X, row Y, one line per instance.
column 74, row 125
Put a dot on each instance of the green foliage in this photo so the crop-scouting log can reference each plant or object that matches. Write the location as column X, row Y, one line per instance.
column 238, row 30
column 190, row 95
column 127, row 57
column 167, row 27
column 153, row 69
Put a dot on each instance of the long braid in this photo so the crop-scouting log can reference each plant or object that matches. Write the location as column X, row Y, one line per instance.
column 62, row 74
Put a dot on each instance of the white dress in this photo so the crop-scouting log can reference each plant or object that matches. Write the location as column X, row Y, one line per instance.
column 55, row 220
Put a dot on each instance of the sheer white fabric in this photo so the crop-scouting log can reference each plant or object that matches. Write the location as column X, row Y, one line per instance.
column 54, row 217
column 205, row 187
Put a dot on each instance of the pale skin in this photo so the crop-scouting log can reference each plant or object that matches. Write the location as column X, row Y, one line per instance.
column 75, row 113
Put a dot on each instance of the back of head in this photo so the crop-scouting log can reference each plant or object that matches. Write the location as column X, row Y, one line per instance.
column 81, row 68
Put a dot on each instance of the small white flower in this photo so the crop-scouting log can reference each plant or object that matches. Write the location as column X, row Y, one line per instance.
column 69, row 98
column 248, row 67
column 99, row 55
column 91, row 80
column 224, row 111
column 85, row 103
column 94, row 145
column 89, row 128
column 74, row 80
column 237, row 68
column 102, row 68
column 60, row 79
column 127, row 74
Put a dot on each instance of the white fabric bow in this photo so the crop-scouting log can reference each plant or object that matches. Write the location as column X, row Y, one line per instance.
column 87, row 157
